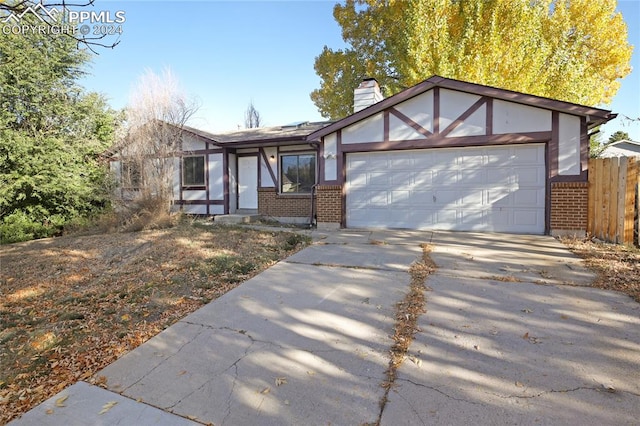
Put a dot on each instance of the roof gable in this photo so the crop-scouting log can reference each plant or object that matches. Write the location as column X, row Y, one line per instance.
column 595, row 116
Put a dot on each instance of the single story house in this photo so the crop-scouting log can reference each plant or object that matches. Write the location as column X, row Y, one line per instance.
column 623, row 148
column 443, row 154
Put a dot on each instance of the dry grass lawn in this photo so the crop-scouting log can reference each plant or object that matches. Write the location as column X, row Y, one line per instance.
column 618, row 267
column 71, row 305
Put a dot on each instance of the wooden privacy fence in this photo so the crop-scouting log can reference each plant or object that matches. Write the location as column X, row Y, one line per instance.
column 613, row 199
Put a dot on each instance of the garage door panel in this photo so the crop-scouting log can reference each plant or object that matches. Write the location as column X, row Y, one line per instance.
column 500, row 197
column 499, row 189
column 523, row 217
column 528, row 176
column 445, row 177
column 528, row 197
column 472, row 177
column 379, row 179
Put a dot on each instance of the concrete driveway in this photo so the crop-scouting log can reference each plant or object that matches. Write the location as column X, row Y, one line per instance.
column 512, row 336
column 509, row 336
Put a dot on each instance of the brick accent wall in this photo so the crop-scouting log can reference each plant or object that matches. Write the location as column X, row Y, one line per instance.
column 329, row 204
column 270, row 203
column 569, row 206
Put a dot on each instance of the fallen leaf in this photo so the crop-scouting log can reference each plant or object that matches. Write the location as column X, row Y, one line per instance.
column 526, row 336
column 281, row 381
column 182, row 373
column 526, row 311
column 60, row 401
column 311, row 373
column 108, row 406
column 563, row 316
column 265, row 390
column 49, row 411
column 520, row 385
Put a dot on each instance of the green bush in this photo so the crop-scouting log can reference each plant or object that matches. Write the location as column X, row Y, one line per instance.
column 19, row 226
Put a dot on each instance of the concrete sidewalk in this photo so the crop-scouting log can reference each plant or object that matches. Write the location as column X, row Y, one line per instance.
column 512, row 334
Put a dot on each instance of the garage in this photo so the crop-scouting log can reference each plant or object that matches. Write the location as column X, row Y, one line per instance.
column 492, row 188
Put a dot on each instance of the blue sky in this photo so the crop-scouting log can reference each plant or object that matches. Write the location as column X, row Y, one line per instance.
column 227, row 54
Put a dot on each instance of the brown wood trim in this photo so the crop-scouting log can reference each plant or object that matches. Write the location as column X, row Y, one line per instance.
column 201, row 202
column 408, row 121
column 343, row 204
column 489, row 123
column 198, row 152
column 206, row 178
column 436, row 110
column 320, row 162
column 225, row 181
column 568, row 178
column 458, row 121
column 268, row 164
column 584, row 149
column 547, row 191
column 340, row 164
column 439, row 141
column 385, row 125
column 180, row 180
column 554, row 145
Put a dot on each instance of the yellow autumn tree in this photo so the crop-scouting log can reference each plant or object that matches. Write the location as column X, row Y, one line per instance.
column 571, row 50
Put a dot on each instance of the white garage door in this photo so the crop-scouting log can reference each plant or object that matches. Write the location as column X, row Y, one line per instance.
column 499, row 189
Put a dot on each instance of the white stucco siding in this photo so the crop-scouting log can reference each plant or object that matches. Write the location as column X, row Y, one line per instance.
column 509, row 117
column 474, row 125
column 330, row 157
column 176, row 178
column 265, row 175
column 216, row 209
column 216, row 177
column 194, row 195
column 453, row 104
column 368, row 130
column 569, row 145
column 194, row 209
column 419, row 109
column 401, row 131
column 189, row 143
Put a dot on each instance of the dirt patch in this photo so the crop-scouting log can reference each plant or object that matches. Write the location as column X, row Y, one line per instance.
column 69, row 306
column 408, row 310
column 617, row 266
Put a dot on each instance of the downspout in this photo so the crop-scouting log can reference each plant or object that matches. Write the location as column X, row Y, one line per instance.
column 312, row 215
column 314, row 188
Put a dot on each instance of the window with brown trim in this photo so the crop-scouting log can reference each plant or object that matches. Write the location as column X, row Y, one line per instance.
column 131, row 176
column 297, row 173
column 193, row 171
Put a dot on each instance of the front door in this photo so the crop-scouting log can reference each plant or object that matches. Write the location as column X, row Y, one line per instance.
column 248, row 182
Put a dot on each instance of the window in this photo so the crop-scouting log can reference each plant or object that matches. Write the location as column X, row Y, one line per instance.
column 193, row 171
column 297, row 173
column 131, row 175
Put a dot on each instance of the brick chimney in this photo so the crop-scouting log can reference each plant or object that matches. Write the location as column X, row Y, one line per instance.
column 367, row 94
